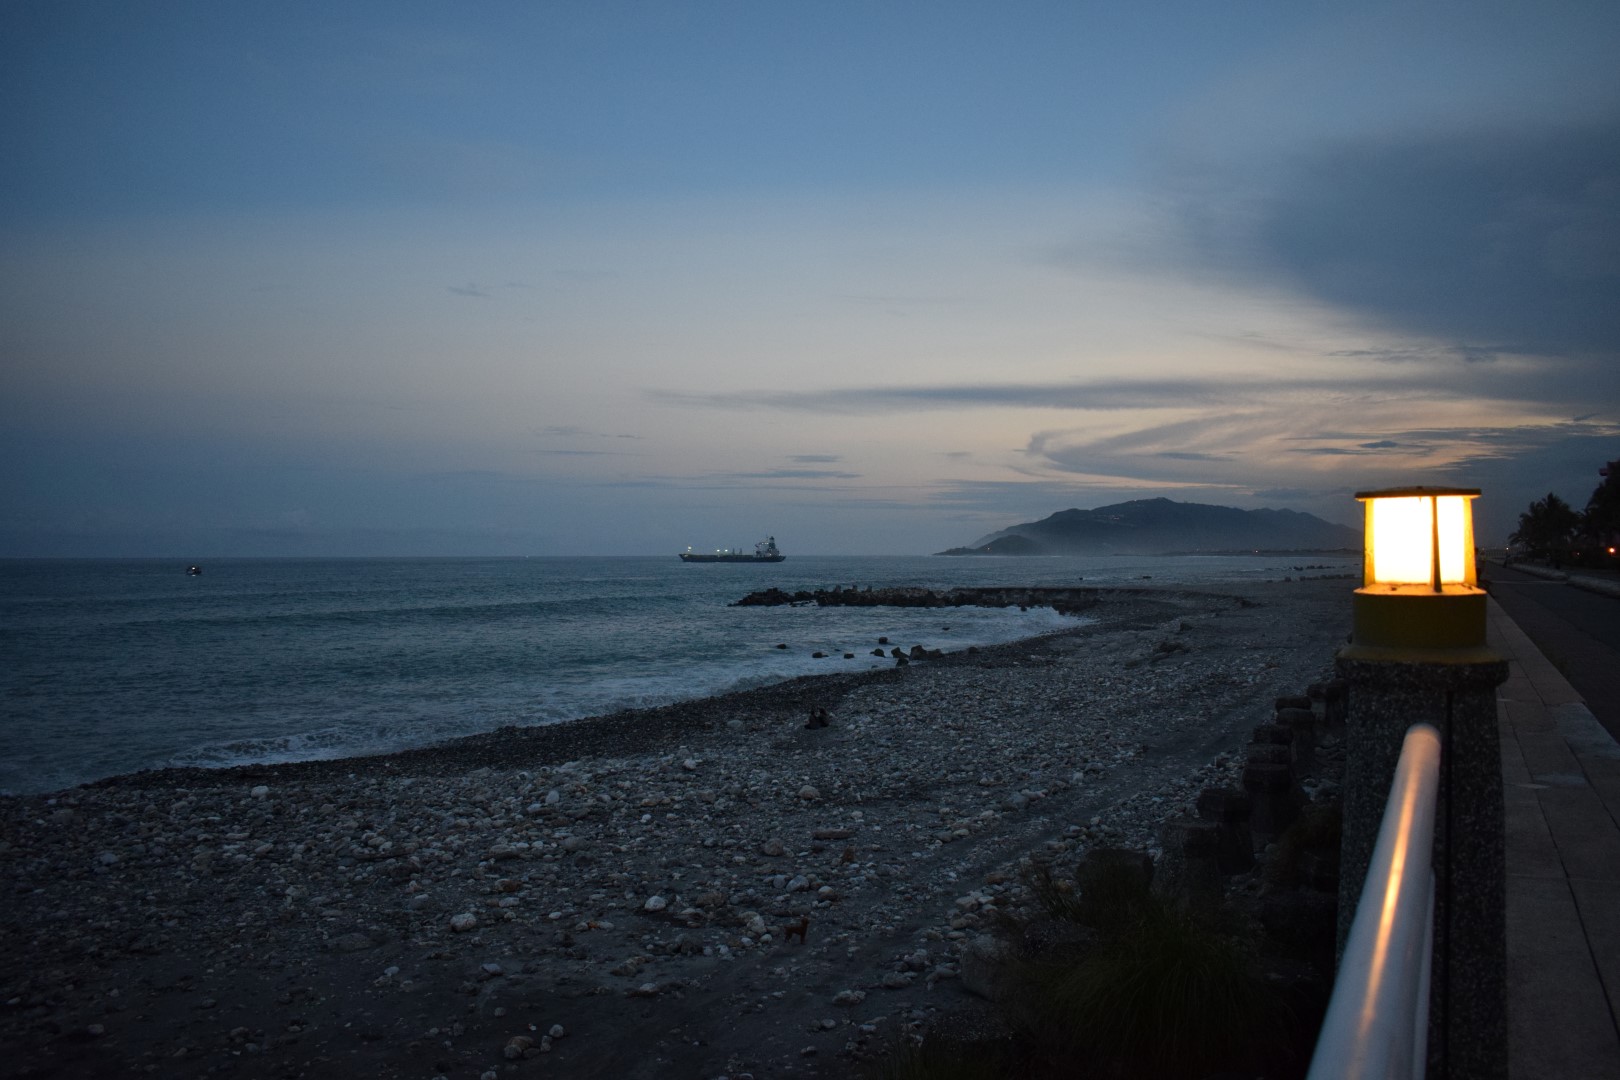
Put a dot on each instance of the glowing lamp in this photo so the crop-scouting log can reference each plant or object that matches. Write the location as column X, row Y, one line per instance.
column 1420, row 590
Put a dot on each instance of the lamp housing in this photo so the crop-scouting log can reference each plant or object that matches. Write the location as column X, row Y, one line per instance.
column 1420, row 586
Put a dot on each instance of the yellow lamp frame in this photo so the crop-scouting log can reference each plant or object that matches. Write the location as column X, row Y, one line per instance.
column 1420, row 589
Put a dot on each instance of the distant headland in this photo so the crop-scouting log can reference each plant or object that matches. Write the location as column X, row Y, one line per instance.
column 1164, row 527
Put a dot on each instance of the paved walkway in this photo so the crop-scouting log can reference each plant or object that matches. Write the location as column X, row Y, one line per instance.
column 1578, row 630
column 1561, row 782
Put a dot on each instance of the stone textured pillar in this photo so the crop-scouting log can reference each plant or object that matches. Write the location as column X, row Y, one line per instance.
column 1335, row 705
column 1468, row 1003
column 1229, row 810
column 1272, row 798
column 1188, row 873
column 1301, row 723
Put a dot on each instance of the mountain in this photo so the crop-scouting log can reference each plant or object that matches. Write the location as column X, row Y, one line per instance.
column 1162, row 526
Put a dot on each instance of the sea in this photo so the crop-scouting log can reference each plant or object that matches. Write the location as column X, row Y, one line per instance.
column 112, row 666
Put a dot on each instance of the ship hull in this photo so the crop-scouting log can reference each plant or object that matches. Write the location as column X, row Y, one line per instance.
column 686, row 557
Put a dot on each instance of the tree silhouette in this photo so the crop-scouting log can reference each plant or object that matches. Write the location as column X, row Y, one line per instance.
column 1547, row 528
column 1601, row 520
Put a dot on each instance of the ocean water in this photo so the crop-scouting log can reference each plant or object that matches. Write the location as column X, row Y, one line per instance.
column 110, row 666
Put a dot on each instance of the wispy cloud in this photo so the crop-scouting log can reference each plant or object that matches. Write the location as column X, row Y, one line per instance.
column 1099, row 395
column 570, row 431
column 792, row 474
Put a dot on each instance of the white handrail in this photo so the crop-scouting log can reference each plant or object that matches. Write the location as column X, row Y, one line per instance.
column 1377, row 1022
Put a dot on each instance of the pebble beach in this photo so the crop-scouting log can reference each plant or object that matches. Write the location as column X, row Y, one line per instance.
column 706, row 889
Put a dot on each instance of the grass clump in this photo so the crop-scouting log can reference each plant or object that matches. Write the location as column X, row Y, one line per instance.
column 1164, row 994
column 1138, row 986
column 939, row 1058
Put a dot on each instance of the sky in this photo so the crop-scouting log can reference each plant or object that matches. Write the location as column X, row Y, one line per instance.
column 550, row 278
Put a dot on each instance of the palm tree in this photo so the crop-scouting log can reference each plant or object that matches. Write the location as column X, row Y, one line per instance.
column 1547, row 527
column 1601, row 520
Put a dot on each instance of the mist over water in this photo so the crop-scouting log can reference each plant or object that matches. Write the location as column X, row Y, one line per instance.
column 110, row 666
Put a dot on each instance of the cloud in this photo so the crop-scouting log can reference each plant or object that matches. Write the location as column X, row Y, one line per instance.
column 571, row 431
column 467, row 290
column 1105, row 395
column 1483, row 239
column 815, row 459
column 794, row 474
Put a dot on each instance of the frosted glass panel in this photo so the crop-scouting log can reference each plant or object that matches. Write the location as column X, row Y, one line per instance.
column 1402, row 545
column 1453, row 540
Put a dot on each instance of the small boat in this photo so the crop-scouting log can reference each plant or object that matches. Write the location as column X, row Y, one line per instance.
column 194, row 571
column 764, row 551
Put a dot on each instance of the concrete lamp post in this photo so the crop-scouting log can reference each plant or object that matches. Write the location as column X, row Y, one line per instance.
column 1417, row 653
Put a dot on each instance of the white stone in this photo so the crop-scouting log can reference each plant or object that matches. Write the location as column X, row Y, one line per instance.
column 463, row 922
column 655, row 903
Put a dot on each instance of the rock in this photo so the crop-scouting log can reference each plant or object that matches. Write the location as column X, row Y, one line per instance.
column 849, row 997
column 463, row 922
column 983, row 967
column 260, row 792
column 809, row 793
column 644, row 990
column 773, row 847
column 831, row 834
column 898, row 980
column 515, row 1046
column 655, row 903
column 355, row 942
column 556, row 1031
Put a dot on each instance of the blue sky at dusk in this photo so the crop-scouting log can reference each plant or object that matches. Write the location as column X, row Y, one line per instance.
column 547, row 278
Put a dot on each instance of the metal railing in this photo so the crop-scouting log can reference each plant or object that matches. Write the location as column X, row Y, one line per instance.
column 1377, row 1022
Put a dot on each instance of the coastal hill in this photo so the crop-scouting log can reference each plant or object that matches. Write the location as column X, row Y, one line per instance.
column 1163, row 526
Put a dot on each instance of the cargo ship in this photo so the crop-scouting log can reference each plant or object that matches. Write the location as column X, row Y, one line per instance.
column 764, row 551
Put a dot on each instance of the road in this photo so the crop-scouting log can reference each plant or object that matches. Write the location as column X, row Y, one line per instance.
column 1579, row 631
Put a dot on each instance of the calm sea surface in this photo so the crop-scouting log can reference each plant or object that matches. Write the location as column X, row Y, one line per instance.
column 109, row 666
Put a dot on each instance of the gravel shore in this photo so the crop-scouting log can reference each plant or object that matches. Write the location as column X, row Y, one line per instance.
column 701, row 890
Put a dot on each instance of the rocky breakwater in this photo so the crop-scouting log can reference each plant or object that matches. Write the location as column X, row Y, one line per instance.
column 706, row 889
column 1067, row 601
